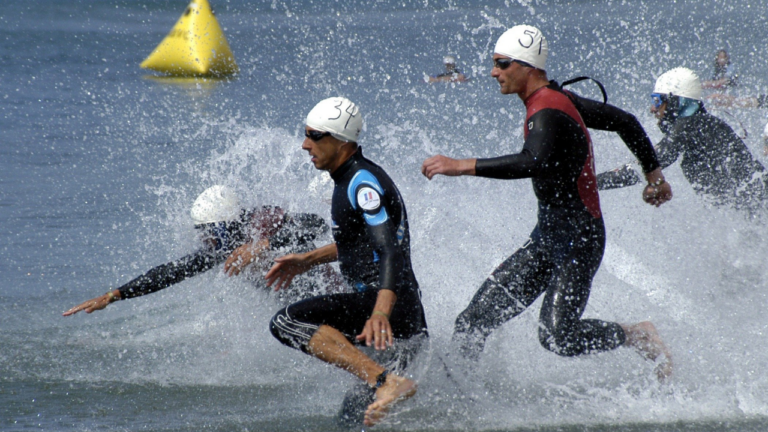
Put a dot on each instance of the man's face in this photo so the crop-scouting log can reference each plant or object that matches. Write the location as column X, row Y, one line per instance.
column 512, row 79
column 324, row 152
column 722, row 59
column 659, row 112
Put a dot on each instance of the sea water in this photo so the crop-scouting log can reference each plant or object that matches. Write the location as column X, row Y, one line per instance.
column 100, row 162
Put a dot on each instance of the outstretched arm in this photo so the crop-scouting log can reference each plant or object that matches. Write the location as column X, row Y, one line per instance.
column 289, row 266
column 96, row 303
column 155, row 279
column 447, row 166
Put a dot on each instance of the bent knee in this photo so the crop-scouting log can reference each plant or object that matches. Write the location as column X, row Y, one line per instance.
column 291, row 332
column 562, row 343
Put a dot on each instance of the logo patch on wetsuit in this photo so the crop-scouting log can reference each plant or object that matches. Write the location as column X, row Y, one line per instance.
column 368, row 199
column 530, row 125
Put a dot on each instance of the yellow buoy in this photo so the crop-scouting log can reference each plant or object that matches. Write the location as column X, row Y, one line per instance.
column 196, row 46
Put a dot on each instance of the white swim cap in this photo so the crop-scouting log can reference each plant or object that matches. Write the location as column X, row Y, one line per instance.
column 681, row 82
column 216, row 204
column 449, row 60
column 339, row 116
column 524, row 43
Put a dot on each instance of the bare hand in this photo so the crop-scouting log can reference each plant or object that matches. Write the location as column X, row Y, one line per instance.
column 91, row 305
column 657, row 195
column 285, row 269
column 243, row 256
column 378, row 330
column 446, row 166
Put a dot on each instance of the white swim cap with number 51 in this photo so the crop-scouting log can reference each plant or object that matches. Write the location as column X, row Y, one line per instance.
column 524, row 43
column 339, row 116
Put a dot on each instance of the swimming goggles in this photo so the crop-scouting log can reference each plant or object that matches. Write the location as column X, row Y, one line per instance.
column 315, row 135
column 658, row 99
column 503, row 63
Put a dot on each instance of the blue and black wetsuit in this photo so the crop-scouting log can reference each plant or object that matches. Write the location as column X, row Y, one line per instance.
column 566, row 246
column 370, row 228
column 296, row 233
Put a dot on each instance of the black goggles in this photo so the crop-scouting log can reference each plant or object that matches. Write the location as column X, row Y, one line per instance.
column 315, row 135
column 503, row 63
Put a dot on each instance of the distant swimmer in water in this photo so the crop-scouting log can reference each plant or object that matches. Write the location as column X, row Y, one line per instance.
column 230, row 235
column 451, row 74
column 725, row 75
column 566, row 247
column 372, row 245
column 725, row 78
column 715, row 160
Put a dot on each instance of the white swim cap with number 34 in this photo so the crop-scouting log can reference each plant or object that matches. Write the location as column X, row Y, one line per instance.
column 524, row 43
column 339, row 116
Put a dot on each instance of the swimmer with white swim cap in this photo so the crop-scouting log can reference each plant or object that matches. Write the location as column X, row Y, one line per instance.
column 228, row 234
column 565, row 249
column 372, row 245
column 451, row 74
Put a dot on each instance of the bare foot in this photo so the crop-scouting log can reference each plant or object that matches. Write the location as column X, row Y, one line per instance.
column 395, row 389
column 644, row 338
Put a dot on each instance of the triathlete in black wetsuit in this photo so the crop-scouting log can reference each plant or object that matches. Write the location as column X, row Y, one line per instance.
column 270, row 228
column 566, row 247
column 715, row 160
column 370, row 230
column 372, row 245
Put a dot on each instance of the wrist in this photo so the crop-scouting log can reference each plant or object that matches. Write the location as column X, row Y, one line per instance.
column 112, row 297
column 657, row 182
column 469, row 167
column 376, row 312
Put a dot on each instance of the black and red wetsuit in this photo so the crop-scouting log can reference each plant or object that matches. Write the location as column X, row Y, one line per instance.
column 566, row 246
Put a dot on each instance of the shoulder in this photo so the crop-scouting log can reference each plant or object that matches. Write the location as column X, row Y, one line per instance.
column 364, row 190
column 547, row 98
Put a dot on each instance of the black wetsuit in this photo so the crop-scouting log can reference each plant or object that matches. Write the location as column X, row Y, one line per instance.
column 370, row 228
column 566, row 246
column 296, row 234
column 715, row 160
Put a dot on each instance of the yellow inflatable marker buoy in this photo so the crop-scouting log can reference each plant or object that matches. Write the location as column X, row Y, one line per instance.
column 196, row 46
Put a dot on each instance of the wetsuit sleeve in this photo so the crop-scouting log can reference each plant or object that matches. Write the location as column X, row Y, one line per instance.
column 536, row 150
column 669, row 149
column 299, row 229
column 368, row 197
column 391, row 260
column 617, row 178
column 600, row 116
column 171, row 273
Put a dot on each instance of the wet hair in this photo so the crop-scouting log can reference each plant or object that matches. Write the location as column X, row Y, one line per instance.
column 727, row 58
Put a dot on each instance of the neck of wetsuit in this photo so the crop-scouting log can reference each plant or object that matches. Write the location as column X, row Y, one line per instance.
column 527, row 100
column 339, row 173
